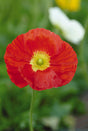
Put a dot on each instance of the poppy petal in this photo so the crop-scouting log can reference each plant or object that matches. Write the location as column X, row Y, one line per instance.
column 43, row 40
column 41, row 80
column 46, row 80
column 65, row 63
column 15, row 52
column 16, row 76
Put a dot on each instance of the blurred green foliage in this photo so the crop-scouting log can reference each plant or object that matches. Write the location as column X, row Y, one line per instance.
column 17, row 17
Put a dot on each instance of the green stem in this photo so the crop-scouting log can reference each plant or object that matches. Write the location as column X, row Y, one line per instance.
column 81, row 53
column 31, row 109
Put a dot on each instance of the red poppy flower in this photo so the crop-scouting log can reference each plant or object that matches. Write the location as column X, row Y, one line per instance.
column 40, row 58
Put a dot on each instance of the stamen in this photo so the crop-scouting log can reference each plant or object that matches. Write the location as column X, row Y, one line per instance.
column 40, row 61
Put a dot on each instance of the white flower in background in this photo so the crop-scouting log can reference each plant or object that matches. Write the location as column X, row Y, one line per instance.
column 71, row 30
column 51, row 122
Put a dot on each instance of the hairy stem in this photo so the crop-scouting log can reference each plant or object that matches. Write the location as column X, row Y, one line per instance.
column 31, row 110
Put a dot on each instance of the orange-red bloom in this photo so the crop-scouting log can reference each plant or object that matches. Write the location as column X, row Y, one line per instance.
column 40, row 58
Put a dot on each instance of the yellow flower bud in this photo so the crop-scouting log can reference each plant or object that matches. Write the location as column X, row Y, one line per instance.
column 71, row 5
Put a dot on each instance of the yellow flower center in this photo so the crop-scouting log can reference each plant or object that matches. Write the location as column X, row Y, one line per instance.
column 40, row 61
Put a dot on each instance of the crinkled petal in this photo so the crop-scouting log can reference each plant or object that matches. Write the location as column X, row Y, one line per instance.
column 46, row 80
column 65, row 63
column 16, row 76
column 41, row 80
column 16, row 54
column 28, row 74
column 43, row 40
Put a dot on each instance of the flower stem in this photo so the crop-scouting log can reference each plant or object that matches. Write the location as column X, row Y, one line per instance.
column 31, row 109
column 81, row 53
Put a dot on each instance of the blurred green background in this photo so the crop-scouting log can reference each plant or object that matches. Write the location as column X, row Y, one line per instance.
column 54, row 109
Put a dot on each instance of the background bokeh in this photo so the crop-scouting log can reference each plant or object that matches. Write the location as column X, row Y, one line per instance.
column 54, row 109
